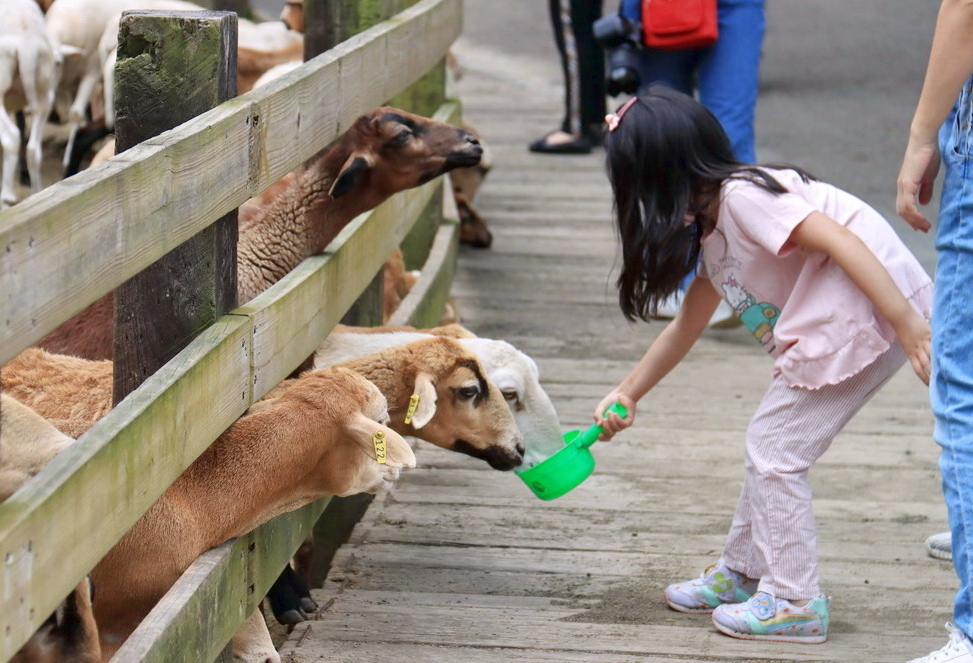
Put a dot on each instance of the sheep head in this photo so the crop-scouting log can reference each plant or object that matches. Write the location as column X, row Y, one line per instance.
column 438, row 392
column 390, row 150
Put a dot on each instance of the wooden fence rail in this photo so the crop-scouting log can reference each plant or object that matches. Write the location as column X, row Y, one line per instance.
column 68, row 245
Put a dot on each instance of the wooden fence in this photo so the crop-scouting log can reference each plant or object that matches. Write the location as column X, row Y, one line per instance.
column 65, row 247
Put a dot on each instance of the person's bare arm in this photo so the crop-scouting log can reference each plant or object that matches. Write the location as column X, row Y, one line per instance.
column 950, row 65
column 819, row 232
column 663, row 355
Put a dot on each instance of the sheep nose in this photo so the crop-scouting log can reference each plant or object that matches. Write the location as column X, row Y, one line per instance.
column 520, row 448
column 469, row 138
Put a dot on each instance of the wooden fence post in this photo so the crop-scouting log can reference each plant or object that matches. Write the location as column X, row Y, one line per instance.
column 172, row 66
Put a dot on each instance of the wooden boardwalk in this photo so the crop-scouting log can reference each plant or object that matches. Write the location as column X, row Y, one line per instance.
column 462, row 563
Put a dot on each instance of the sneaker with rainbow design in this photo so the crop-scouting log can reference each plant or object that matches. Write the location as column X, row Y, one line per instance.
column 764, row 617
column 714, row 586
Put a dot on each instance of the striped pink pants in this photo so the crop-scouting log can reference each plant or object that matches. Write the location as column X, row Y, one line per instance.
column 773, row 536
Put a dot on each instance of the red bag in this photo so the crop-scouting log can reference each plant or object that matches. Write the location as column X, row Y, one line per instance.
column 672, row 24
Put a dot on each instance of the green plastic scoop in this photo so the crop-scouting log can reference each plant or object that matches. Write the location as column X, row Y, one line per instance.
column 567, row 468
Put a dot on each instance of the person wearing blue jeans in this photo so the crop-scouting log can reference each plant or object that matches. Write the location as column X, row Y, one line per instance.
column 724, row 78
column 941, row 130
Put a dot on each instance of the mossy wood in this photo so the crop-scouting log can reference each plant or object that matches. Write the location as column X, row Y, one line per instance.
column 172, row 66
column 203, row 609
column 66, row 246
column 90, row 495
column 173, row 626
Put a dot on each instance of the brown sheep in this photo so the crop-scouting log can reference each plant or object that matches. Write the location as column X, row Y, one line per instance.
column 315, row 440
column 383, row 152
column 27, row 444
column 457, row 406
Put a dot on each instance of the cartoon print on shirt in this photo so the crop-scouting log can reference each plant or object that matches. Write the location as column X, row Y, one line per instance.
column 759, row 318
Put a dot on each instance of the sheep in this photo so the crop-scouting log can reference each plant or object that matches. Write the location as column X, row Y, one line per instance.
column 74, row 393
column 27, row 444
column 78, row 24
column 514, row 373
column 69, row 392
column 260, row 46
column 263, row 46
column 70, row 634
column 29, row 68
column 385, row 151
column 315, row 439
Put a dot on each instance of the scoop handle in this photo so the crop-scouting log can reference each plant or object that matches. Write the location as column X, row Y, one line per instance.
column 590, row 436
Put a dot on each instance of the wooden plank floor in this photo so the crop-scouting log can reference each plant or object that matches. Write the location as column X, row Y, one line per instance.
column 462, row 563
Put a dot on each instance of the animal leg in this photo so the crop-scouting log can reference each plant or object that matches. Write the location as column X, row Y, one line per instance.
column 252, row 642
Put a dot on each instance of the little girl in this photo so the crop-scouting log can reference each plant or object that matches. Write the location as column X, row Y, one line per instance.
column 821, row 281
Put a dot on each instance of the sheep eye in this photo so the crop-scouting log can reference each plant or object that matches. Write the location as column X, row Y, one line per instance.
column 510, row 396
column 467, row 393
column 401, row 138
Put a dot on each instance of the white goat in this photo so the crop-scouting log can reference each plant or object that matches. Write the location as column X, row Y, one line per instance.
column 79, row 24
column 514, row 373
column 28, row 76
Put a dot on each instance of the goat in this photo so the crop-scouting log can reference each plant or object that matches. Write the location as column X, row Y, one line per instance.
column 437, row 391
column 69, row 392
column 314, row 440
column 260, row 46
column 514, row 373
column 27, row 444
column 383, row 152
column 29, row 68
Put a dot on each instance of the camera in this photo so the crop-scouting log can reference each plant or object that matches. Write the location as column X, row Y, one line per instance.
column 622, row 39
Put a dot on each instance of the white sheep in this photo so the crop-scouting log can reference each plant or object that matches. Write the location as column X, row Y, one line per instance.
column 383, row 152
column 79, row 24
column 260, row 46
column 29, row 68
column 514, row 373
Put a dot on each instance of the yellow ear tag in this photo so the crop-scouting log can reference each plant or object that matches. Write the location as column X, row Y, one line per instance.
column 413, row 404
column 378, row 439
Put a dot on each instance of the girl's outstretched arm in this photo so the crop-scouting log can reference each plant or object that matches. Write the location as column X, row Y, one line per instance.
column 819, row 232
column 663, row 355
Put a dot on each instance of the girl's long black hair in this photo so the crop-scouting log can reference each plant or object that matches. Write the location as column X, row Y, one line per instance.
column 667, row 158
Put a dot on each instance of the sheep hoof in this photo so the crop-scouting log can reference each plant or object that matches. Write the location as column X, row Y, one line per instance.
column 308, row 605
column 292, row 616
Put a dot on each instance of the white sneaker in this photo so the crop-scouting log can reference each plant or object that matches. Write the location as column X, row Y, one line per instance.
column 940, row 545
column 669, row 307
column 723, row 318
column 959, row 649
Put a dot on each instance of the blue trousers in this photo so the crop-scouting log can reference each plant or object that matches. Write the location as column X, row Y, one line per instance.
column 725, row 75
column 951, row 386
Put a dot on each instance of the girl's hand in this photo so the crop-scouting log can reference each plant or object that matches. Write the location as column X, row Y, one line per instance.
column 914, row 335
column 610, row 422
column 919, row 168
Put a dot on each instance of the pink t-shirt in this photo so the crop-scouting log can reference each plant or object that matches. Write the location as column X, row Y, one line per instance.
column 799, row 304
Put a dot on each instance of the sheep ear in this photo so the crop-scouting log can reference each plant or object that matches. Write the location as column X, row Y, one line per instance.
column 351, row 174
column 398, row 453
column 422, row 405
